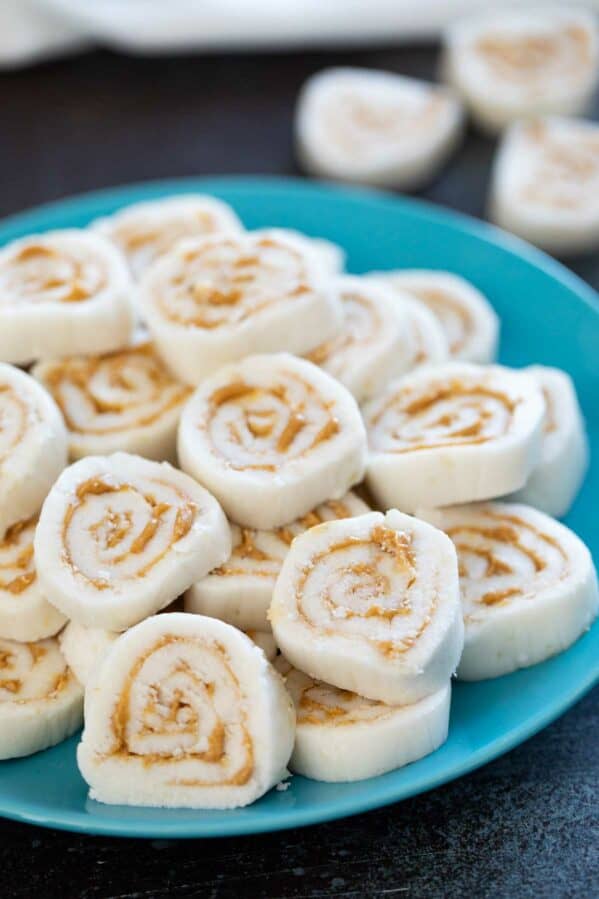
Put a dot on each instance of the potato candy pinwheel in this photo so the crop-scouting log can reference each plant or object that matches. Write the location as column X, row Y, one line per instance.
column 125, row 400
column 62, row 292
column 371, row 604
column 329, row 256
column 120, row 537
column 185, row 711
column 41, row 703
column 528, row 584
column 272, row 437
column 453, row 433
column 25, row 613
column 145, row 231
column 372, row 346
column 341, row 736
column 240, row 590
column 468, row 320
column 33, row 445
column 214, row 300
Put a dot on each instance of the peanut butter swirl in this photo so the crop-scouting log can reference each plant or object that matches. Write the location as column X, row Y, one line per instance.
column 115, row 530
column 182, row 702
column 30, row 672
column 455, row 411
column 40, row 272
column 502, row 557
column 367, row 587
column 565, row 171
column 535, row 60
column 16, row 416
column 259, row 426
column 113, row 393
column 226, row 281
column 17, row 570
column 453, row 316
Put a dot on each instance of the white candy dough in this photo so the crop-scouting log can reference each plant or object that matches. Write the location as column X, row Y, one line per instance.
column 145, row 231
column 41, row 703
column 185, row 711
column 468, row 320
column 375, row 127
column 265, row 641
column 509, row 64
column 453, row 433
column 125, row 400
column 240, row 590
column 374, row 344
column 559, row 473
column 545, row 184
column 33, row 445
column 372, row 605
column 84, row 648
column 329, row 255
column 272, row 437
column 529, row 588
column 120, row 537
column 217, row 299
column 61, row 293
column 25, row 613
column 341, row 736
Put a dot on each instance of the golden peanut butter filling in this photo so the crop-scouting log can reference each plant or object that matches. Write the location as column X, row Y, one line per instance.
column 228, row 282
column 364, row 586
column 258, row 427
column 17, row 569
column 503, row 557
column 30, row 672
column 565, row 172
column 363, row 326
column 40, row 273
column 182, row 701
column 122, row 530
column 534, row 60
column 450, row 413
column 113, row 393
column 453, row 316
column 16, row 415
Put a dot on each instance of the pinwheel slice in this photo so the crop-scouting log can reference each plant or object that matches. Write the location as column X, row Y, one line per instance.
column 240, row 590
column 272, row 437
column 185, row 711
column 33, row 445
column 453, row 433
column 558, row 476
column 468, row 320
column 120, row 537
column 374, row 344
column 145, row 231
column 125, row 400
column 511, row 64
column 329, row 255
column 25, row 613
column 217, row 299
column 375, row 127
column 41, row 703
column 342, row 737
column 372, row 605
column 545, row 184
column 62, row 292
column 528, row 585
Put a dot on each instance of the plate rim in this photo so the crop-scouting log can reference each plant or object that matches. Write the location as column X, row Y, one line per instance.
column 339, row 807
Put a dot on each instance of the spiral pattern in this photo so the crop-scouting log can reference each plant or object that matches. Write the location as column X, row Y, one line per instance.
column 182, row 702
column 16, row 416
column 225, row 281
column 454, row 317
column 363, row 328
column 113, row 393
column 258, row 426
column 369, row 587
column 563, row 172
column 440, row 412
column 39, row 272
column 116, row 529
column 17, row 570
column 260, row 553
column 32, row 671
column 534, row 60
column 502, row 556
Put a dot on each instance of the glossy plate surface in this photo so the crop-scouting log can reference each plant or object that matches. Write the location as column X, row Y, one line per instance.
column 548, row 316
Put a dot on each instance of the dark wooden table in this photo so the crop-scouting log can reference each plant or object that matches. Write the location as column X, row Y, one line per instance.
column 526, row 825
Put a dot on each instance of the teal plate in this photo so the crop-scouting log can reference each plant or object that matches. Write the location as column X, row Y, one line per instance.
column 548, row 315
